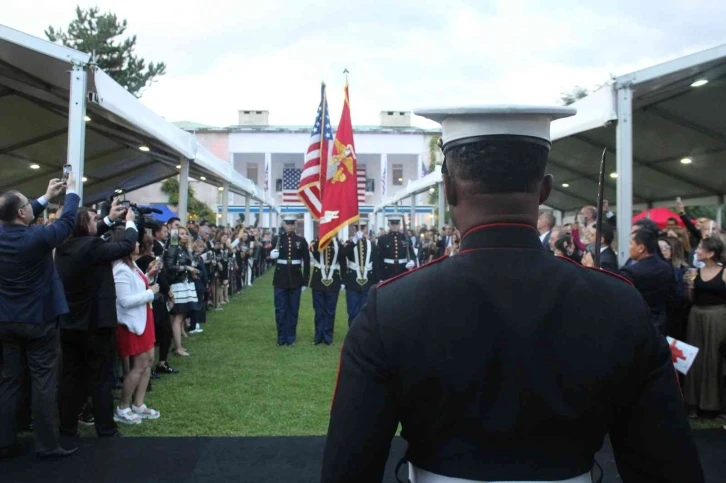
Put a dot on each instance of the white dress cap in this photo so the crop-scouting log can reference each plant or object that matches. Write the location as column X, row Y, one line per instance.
column 289, row 218
column 475, row 122
column 394, row 218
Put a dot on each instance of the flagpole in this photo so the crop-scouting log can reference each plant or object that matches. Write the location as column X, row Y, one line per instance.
column 323, row 172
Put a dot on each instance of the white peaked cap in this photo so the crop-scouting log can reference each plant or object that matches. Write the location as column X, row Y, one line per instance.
column 474, row 123
column 289, row 218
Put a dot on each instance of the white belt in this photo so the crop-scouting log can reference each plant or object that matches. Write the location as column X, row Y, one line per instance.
column 292, row 262
column 391, row 261
column 417, row 475
column 354, row 266
column 317, row 264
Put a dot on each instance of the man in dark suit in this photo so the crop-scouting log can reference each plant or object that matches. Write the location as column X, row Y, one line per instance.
column 162, row 320
column 545, row 223
column 84, row 263
column 608, row 258
column 651, row 275
column 31, row 301
column 486, row 384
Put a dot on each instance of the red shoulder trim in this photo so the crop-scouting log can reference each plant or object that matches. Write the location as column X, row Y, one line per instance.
column 493, row 225
column 599, row 270
column 386, row 282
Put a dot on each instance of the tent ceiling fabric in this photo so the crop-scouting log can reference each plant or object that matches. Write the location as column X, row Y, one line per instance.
column 34, row 93
column 671, row 121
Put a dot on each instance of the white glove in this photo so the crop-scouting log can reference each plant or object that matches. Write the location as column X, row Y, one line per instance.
column 304, row 288
column 275, row 254
column 410, row 265
column 342, row 287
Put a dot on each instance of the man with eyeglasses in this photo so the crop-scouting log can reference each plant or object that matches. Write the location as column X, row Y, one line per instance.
column 31, row 301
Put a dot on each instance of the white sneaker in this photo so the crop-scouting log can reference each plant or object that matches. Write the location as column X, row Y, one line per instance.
column 126, row 416
column 145, row 413
column 197, row 330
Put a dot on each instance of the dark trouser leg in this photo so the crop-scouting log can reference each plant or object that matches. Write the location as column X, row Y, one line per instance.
column 162, row 323
column 351, row 299
column 43, row 351
column 356, row 301
column 319, row 308
column 294, row 309
column 331, row 302
column 74, row 382
column 10, row 374
column 101, row 349
column 281, row 314
column 25, row 413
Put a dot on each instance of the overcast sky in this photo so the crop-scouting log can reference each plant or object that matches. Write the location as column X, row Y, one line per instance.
column 272, row 54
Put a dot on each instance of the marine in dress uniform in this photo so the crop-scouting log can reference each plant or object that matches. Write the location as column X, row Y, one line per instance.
column 325, row 285
column 487, row 361
column 395, row 251
column 360, row 271
column 292, row 272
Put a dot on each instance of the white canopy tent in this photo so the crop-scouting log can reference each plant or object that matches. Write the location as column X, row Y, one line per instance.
column 665, row 135
column 56, row 107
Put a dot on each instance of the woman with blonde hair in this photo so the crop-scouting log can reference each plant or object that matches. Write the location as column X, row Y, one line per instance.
column 179, row 263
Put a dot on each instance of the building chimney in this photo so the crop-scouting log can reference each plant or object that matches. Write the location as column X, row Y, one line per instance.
column 254, row 118
column 395, row 118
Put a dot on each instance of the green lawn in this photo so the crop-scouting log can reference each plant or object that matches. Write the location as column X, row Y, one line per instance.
column 238, row 382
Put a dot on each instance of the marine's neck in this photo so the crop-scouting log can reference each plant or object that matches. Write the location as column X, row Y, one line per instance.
column 519, row 208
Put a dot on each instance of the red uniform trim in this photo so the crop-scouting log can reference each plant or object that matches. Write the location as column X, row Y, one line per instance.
column 495, row 225
column 386, row 282
column 599, row 270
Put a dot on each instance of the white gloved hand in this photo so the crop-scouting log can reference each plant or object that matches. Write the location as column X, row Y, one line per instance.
column 410, row 265
column 275, row 254
column 342, row 287
column 304, row 288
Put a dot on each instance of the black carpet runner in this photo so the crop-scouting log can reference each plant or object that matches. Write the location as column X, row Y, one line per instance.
column 259, row 460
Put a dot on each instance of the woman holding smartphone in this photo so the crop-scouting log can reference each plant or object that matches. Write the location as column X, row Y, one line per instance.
column 179, row 263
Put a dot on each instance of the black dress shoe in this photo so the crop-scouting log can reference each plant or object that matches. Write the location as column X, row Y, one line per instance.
column 69, row 434
column 57, row 454
column 10, row 451
column 317, row 343
column 116, row 434
column 166, row 369
column 155, row 376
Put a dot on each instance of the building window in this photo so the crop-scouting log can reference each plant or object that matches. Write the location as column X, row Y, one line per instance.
column 370, row 185
column 253, row 173
column 397, row 171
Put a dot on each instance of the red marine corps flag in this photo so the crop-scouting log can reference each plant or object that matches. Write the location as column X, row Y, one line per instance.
column 340, row 194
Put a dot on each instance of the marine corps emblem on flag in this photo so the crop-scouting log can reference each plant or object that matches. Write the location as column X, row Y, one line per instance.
column 345, row 161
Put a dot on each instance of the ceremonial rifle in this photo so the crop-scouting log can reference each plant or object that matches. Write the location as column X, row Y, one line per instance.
column 598, row 223
column 406, row 239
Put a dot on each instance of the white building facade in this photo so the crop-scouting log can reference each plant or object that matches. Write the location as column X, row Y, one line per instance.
column 389, row 156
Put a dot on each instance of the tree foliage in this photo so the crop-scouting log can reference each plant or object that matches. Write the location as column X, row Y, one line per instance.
column 573, row 95
column 99, row 33
column 195, row 208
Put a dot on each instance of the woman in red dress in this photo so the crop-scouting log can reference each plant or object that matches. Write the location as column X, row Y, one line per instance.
column 135, row 336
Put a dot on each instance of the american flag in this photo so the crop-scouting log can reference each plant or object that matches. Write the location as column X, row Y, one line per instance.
column 361, row 184
column 290, row 182
column 384, row 178
column 316, row 160
column 424, row 169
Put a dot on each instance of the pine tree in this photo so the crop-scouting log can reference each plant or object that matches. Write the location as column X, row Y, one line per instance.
column 94, row 32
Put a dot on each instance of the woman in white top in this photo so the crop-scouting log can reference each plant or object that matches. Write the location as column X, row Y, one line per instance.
column 135, row 335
